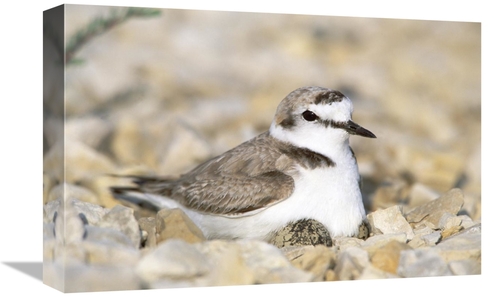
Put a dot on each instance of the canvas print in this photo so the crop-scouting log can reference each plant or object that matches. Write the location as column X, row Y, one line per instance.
column 190, row 148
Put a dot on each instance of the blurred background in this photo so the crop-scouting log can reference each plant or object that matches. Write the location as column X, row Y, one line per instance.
column 159, row 91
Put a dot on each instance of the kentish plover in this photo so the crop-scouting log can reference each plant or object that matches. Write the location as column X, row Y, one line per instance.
column 302, row 168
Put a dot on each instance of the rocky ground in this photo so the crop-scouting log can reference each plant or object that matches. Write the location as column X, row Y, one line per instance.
column 161, row 94
column 167, row 250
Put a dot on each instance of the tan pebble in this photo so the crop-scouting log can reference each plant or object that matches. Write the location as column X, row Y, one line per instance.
column 330, row 275
column 450, row 231
column 387, row 257
column 174, row 223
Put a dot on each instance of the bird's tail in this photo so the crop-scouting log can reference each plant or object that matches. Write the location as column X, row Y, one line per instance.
column 149, row 192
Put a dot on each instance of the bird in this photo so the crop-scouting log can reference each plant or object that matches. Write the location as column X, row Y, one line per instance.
column 301, row 168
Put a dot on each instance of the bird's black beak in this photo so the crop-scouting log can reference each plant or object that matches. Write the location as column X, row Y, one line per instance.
column 355, row 129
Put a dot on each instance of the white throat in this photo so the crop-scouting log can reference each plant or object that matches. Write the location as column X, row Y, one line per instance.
column 332, row 143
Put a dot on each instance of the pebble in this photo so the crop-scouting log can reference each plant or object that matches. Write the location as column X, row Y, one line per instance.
column 386, row 258
column 431, row 212
column 422, row 262
column 351, row 263
column 84, row 278
column 465, row 267
column 107, row 235
column 432, row 238
column 174, row 259
column 174, row 223
column 418, row 240
column 122, row 218
column 316, row 260
column 389, row 221
column 372, row 272
column 107, row 252
column 148, row 225
column 342, row 243
column 377, row 241
column 462, row 245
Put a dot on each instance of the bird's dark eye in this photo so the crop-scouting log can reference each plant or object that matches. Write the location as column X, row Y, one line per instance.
column 309, row 116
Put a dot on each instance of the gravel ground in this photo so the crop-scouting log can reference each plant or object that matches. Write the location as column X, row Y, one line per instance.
column 160, row 94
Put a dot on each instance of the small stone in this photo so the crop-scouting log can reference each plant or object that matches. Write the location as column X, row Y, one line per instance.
column 122, row 218
column 450, row 224
column 418, row 241
column 461, row 246
column 351, row 263
column 466, row 221
column 83, row 278
column 69, row 227
column 302, row 233
column 174, row 223
column 376, row 242
column 423, row 230
column 372, row 272
column 451, row 231
column 175, row 259
column 226, row 258
column 387, row 257
column 389, row 221
column 465, row 267
column 432, row 238
column 431, row 212
column 343, row 243
column 108, row 235
column 316, row 260
column 422, row 262
column 89, row 213
column 148, row 224
column 330, row 275
column 448, row 220
column 92, row 214
column 109, row 253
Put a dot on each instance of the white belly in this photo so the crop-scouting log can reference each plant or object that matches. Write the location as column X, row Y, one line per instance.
column 329, row 195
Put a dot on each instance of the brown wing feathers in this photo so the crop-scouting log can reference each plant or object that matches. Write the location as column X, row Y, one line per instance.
column 253, row 175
